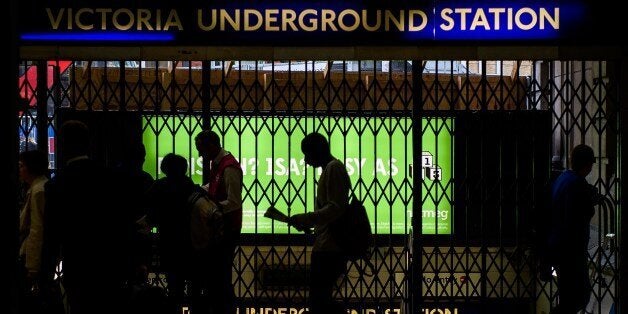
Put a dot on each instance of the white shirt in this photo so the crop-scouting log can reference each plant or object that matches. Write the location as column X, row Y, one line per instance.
column 332, row 197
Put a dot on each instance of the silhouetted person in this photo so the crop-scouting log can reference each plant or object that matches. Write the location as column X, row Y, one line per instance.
column 572, row 209
column 33, row 171
column 543, row 225
column 135, row 183
column 556, row 168
column 86, row 227
column 225, row 189
column 332, row 198
column 169, row 211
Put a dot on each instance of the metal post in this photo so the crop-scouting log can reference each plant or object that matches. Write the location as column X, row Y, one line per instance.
column 483, row 227
column 9, row 136
column 205, row 109
column 42, row 105
column 416, row 266
column 622, row 307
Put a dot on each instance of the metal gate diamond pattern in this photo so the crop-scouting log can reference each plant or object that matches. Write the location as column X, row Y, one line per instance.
column 486, row 262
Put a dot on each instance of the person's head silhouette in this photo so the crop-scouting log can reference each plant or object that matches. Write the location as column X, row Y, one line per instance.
column 582, row 159
column 208, row 144
column 174, row 165
column 74, row 139
column 315, row 148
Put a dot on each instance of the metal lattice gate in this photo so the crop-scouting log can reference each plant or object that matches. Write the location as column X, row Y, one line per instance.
column 459, row 149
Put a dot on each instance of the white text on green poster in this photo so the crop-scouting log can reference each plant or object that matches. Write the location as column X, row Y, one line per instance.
column 377, row 153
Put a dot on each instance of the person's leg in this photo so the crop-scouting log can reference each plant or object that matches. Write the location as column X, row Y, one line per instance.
column 337, row 267
column 89, row 296
column 227, row 280
column 204, row 295
column 219, row 281
column 176, row 288
column 325, row 269
column 23, row 296
column 199, row 296
column 574, row 287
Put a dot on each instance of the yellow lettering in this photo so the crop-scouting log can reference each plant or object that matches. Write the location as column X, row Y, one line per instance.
column 271, row 17
column 247, row 20
column 449, row 22
column 116, row 22
column 200, row 23
column 103, row 17
column 463, row 17
column 233, row 21
column 328, row 20
column 143, row 17
column 341, row 21
column 287, row 19
column 411, row 17
column 78, row 19
column 496, row 12
column 519, row 21
column 378, row 21
column 553, row 21
column 313, row 22
column 70, row 18
column 479, row 19
column 158, row 20
column 173, row 21
column 398, row 21
column 54, row 22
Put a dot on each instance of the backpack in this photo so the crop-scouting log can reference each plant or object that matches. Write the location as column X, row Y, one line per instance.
column 352, row 232
column 206, row 220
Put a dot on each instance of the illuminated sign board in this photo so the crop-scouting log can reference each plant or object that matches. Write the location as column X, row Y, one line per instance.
column 393, row 308
column 362, row 310
column 377, row 153
column 324, row 22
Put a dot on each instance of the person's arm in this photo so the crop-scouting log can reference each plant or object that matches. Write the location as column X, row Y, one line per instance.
column 337, row 189
column 50, row 253
column 233, row 185
column 152, row 203
column 578, row 212
column 36, row 233
column 587, row 200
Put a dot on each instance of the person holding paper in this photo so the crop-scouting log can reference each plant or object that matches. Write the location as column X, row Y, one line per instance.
column 332, row 197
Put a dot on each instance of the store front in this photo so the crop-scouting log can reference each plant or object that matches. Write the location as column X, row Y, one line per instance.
column 449, row 118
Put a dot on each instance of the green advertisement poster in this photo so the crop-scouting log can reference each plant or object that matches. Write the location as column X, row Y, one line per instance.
column 377, row 153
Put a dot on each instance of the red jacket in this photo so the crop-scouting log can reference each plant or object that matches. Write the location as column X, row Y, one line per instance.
column 218, row 191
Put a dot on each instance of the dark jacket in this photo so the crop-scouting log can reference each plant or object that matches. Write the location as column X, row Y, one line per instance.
column 572, row 210
column 86, row 226
column 169, row 211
